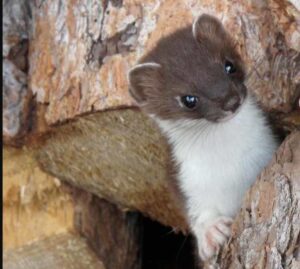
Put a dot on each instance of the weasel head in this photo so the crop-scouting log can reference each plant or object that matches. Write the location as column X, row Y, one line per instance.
column 194, row 73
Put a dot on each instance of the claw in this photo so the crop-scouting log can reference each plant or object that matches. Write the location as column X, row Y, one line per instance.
column 215, row 234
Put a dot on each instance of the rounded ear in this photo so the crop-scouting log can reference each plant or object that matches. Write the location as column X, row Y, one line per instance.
column 143, row 79
column 209, row 28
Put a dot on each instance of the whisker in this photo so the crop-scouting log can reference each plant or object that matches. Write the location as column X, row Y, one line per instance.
column 180, row 249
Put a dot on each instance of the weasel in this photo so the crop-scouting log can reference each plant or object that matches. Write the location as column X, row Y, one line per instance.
column 192, row 85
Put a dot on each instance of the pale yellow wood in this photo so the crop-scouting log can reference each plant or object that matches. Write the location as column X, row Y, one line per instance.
column 63, row 251
column 35, row 206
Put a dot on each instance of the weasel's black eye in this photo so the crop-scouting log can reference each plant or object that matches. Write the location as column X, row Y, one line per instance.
column 189, row 101
column 229, row 67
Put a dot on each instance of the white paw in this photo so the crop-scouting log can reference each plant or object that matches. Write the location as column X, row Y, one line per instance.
column 214, row 235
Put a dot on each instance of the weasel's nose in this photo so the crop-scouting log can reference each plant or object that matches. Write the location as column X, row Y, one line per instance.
column 231, row 103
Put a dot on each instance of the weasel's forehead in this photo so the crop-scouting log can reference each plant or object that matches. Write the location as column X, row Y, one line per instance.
column 179, row 49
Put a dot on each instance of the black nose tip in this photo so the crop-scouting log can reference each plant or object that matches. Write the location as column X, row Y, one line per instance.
column 231, row 103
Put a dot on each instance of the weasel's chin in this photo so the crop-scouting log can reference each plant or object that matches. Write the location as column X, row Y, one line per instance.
column 228, row 116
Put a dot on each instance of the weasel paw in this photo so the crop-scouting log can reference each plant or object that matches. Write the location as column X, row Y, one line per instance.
column 215, row 234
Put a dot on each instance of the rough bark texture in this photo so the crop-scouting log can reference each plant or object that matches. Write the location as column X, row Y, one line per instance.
column 117, row 155
column 266, row 233
column 81, row 51
column 114, row 235
column 16, row 95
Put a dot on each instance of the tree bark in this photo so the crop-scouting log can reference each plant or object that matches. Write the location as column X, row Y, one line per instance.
column 16, row 95
column 68, row 58
column 81, row 51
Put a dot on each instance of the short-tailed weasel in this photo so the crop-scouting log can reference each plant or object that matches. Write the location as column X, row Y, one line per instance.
column 192, row 85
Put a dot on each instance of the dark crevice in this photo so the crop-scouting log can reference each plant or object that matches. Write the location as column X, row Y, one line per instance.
column 163, row 249
column 19, row 55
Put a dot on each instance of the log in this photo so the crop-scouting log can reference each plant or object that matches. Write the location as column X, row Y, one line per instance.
column 39, row 209
column 119, row 156
column 56, row 252
column 35, row 206
column 114, row 235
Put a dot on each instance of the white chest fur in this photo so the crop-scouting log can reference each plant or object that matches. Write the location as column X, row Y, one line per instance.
column 219, row 161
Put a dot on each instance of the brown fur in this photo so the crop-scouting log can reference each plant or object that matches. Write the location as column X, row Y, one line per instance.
column 190, row 65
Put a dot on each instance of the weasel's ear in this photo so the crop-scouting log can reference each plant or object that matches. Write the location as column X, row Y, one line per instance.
column 209, row 28
column 144, row 79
